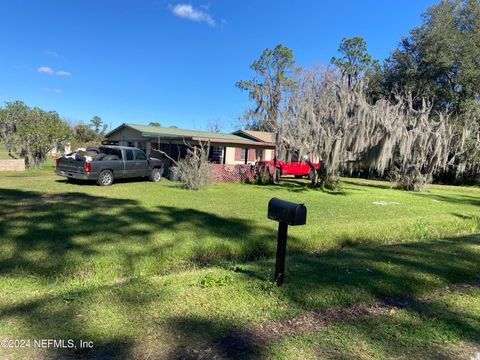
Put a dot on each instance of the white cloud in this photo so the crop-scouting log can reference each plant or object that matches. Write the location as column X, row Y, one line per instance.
column 63, row 73
column 50, row 71
column 45, row 70
column 52, row 54
column 187, row 11
column 53, row 90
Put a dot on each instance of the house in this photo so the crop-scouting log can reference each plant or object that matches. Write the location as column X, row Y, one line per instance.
column 259, row 154
column 241, row 147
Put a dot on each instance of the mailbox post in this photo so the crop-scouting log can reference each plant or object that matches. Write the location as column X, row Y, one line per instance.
column 281, row 253
column 286, row 213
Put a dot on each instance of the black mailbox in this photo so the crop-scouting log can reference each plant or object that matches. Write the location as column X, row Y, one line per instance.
column 287, row 212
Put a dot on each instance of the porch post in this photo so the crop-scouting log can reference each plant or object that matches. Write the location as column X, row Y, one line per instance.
column 224, row 154
column 148, row 147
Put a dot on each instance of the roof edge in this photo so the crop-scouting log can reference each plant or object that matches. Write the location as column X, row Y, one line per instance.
column 244, row 133
column 118, row 128
column 240, row 135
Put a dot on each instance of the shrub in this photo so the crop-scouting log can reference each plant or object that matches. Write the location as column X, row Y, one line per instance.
column 264, row 175
column 411, row 180
column 194, row 169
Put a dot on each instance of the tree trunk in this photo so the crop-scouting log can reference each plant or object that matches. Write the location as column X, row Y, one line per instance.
column 314, row 174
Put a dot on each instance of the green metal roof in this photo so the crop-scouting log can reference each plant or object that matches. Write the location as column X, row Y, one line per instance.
column 148, row 130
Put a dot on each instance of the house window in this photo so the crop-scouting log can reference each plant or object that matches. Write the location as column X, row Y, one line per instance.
column 215, row 155
column 260, row 154
column 240, row 154
column 243, row 154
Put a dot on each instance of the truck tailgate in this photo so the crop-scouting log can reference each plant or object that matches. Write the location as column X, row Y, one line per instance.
column 71, row 165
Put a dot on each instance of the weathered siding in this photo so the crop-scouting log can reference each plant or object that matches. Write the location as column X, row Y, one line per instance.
column 230, row 157
column 125, row 135
column 252, row 156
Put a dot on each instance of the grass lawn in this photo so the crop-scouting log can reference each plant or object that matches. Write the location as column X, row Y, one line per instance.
column 150, row 270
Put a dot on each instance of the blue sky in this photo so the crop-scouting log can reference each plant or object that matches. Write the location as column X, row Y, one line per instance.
column 173, row 62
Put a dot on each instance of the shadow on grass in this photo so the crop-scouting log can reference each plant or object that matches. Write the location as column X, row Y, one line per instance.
column 56, row 237
column 396, row 275
column 430, row 330
column 56, row 234
column 461, row 199
column 408, row 270
column 369, row 183
column 62, row 316
column 94, row 183
column 65, row 237
column 296, row 185
column 288, row 184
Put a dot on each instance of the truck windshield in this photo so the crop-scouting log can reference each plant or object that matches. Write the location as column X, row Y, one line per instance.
column 110, row 151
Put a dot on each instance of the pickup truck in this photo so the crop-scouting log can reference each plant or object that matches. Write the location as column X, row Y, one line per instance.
column 109, row 163
column 297, row 168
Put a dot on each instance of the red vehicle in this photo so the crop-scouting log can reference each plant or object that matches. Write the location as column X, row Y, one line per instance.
column 297, row 168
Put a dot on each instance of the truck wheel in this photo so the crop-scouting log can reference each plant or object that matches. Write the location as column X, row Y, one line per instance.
column 105, row 178
column 156, row 174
